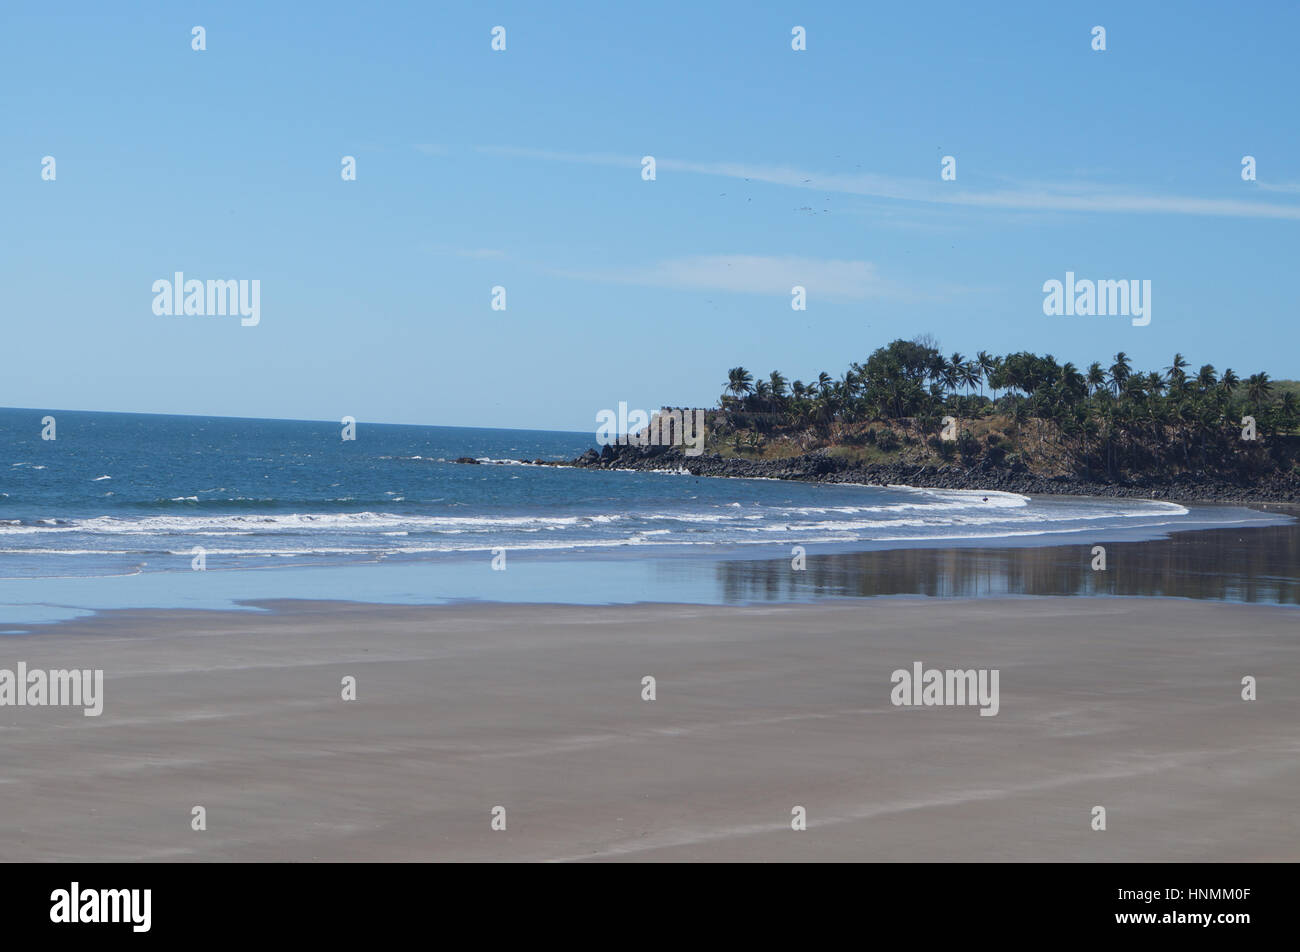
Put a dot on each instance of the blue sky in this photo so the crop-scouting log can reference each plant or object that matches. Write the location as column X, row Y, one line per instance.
column 522, row 169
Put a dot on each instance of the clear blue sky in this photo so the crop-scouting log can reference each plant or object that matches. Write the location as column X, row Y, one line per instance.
column 521, row 169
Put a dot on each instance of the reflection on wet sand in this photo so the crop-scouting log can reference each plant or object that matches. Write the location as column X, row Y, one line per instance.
column 1255, row 565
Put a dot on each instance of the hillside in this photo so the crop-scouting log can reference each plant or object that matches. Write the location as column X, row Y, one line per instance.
column 910, row 415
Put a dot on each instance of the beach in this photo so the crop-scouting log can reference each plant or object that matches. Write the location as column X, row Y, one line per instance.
column 1132, row 704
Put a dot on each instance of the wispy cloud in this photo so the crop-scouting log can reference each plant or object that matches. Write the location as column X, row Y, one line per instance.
column 1036, row 198
column 431, row 148
column 750, row 274
column 1291, row 188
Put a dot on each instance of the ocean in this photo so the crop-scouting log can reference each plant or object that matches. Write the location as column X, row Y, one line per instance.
column 125, row 495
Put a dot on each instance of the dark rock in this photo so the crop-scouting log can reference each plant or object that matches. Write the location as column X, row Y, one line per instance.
column 821, row 467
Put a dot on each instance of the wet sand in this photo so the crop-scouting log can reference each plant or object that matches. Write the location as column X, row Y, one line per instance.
column 1129, row 703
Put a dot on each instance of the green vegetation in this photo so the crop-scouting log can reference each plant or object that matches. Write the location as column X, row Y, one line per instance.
column 1103, row 421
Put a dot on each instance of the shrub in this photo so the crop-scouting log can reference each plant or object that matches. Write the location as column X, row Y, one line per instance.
column 969, row 447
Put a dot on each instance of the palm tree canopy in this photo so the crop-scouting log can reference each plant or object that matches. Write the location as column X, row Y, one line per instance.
column 740, row 381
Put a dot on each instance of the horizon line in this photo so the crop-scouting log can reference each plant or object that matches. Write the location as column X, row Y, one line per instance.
column 218, row 416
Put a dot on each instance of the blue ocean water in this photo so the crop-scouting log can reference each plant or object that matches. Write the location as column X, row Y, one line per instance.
column 126, row 495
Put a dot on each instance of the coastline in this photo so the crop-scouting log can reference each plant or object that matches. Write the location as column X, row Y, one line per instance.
column 1235, row 564
column 824, row 468
column 1128, row 703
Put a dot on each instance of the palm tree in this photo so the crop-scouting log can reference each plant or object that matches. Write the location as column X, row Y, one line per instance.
column 777, row 382
column 1206, row 377
column 824, row 380
column 1073, row 382
column 985, row 363
column 970, row 374
column 1228, row 382
column 740, row 381
column 1096, row 377
column 950, row 375
column 1290, row 409
column 1258, row 388
column 1119, row 372
column 997, row 377
column 849, row 384
column 1014, row 375
column 1175, row 370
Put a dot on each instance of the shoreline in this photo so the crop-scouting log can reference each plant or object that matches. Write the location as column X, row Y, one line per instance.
column 1131, row 704
column 822, row 468
column 1233, row 565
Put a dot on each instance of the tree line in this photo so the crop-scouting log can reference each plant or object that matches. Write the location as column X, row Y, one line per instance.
column 1094, row 407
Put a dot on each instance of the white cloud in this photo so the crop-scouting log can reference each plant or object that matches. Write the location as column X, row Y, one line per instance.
column 1063, row 197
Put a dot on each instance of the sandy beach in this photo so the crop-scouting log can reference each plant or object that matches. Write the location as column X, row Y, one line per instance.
column 1133, row 704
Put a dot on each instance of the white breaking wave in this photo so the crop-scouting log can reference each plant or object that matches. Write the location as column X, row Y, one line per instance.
column 933, row 509
column 696, row 522
column 256, row 523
